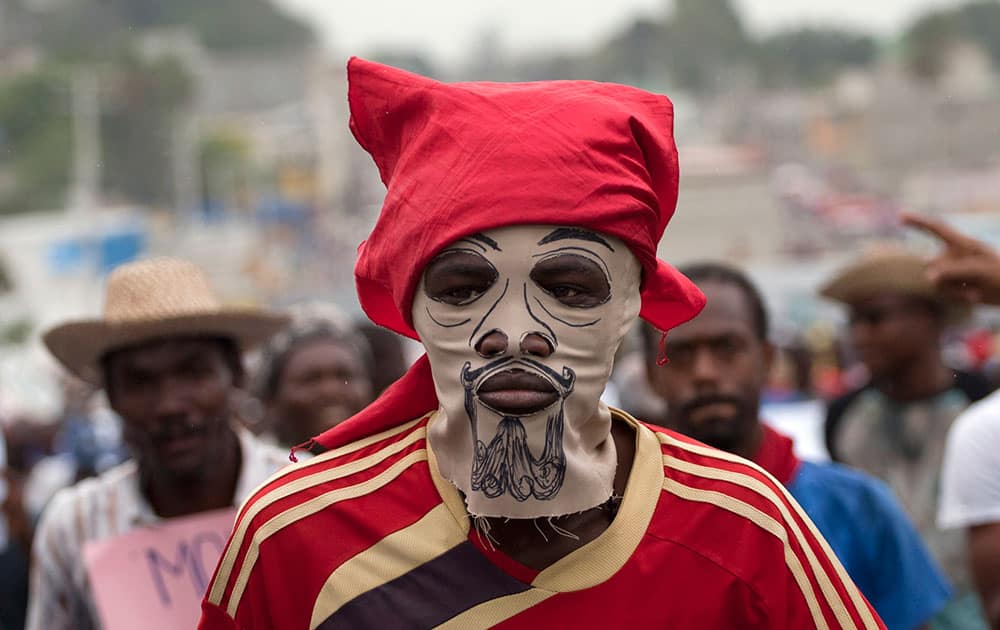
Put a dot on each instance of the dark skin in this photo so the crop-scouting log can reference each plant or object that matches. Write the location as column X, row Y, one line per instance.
column 897, row 338
column 966, row 269
column 322, row 383
column 717, row 356
column 717, row 367
column 521, row 540
column 173, row 396
column 460, row 278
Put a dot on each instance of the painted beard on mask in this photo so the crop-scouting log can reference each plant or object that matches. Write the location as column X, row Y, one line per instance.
column 506, row 465
column 521, row 325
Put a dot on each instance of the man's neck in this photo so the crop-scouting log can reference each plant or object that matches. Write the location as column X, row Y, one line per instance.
column 171, row 498
column 748, row 448
column 917, row 379
column 537, row 544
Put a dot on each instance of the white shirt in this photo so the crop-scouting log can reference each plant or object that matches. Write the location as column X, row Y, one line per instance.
column 970, row 476
column 103, row 507
column 803, row 422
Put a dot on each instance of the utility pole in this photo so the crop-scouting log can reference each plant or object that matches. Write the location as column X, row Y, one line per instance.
column 86, row 145
column 186, row 163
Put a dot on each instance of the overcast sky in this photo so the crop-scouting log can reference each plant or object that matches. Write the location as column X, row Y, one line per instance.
column 447, row 29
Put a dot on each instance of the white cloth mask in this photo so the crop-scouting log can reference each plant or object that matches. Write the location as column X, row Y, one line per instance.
column 521, row 325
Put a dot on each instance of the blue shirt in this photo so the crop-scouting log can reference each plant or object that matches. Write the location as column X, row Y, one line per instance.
column 874, row 540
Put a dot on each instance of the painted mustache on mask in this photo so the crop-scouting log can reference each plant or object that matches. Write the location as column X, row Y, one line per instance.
column 563, row 381
column 517, row 387
column 505, row 465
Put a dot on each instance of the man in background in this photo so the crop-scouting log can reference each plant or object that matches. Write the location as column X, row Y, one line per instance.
column 895, row 426
column 716, row 368
column 168, row 356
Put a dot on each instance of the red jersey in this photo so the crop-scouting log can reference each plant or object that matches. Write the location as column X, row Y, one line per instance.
column 369, row 535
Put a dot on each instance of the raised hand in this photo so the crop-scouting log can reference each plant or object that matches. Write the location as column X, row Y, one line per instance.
column 967, row 269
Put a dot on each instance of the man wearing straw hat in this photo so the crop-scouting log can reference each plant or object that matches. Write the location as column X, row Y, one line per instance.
column 895, row 427
column 490, row 486
column 168, row 356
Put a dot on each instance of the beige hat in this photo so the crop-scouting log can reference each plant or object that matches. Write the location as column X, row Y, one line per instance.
column 887, row 269
column 151, row 299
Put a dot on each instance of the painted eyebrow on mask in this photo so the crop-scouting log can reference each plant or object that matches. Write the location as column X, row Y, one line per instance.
column 564, row 233
column 478, row 239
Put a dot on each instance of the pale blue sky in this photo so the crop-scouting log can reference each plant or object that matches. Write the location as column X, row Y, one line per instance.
column 449, row 28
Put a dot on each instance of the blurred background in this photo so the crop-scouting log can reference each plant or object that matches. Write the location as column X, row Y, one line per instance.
column 217, row 131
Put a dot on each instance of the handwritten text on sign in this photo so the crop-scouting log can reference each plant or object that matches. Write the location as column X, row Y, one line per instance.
column 157, row 575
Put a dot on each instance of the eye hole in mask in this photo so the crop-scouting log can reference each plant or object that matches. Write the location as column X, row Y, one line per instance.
column 459, row 277
column 572, row 279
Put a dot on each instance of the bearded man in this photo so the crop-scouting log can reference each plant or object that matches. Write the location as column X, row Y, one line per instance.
column 490, row 486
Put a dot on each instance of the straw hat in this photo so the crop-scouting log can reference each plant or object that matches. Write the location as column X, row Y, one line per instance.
column 886, row 269
column 890, row 268
column 152, row 299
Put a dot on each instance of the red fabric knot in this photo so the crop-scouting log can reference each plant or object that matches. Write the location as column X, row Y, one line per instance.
column 305, row 446
column 661, row 354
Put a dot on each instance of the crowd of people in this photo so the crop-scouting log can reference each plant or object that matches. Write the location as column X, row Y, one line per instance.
column 513, row 476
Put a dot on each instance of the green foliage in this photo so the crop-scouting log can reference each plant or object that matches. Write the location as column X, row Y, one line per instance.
column 88, row 29
column 259, row 23
column 140, row 101
column 689, row 48
column 225, row 158
column 980, row 23
column 79, row 32
column 928, row 40
column 137, row 125
column 6, row 284
column 16, row 332
column 637, row 55
column 702, row 42
column 702, row 38
column 35, row 141
column 812, row 56
column 407, row 60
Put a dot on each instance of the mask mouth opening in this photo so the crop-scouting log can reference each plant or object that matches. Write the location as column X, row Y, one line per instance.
column 516, row 392
column 517, row 387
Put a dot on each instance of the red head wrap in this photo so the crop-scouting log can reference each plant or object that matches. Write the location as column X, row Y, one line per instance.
column 463, row 158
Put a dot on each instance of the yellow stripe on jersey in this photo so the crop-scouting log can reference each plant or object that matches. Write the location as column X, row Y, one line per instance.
column 286, row 490
column 602, row 557
column 326, row 456
column 448, row 492
column 826, row 586
column 840, row 609
column 393, row 556
column 303, row 510
column 766, row 523
column 495, row 611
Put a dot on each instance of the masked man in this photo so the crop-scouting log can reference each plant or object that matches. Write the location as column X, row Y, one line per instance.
column 489, row 486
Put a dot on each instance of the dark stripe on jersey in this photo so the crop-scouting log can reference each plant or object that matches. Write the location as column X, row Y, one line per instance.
column 429, row 595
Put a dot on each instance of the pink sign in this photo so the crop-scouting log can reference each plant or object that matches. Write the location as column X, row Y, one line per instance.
column 155, row 577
